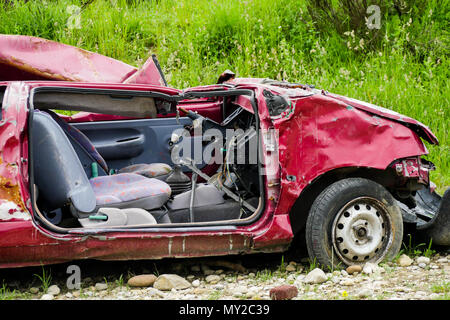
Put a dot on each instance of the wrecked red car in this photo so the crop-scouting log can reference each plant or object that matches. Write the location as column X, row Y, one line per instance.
column 141, row 170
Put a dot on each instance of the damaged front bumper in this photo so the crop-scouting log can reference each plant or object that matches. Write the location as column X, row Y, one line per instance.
column 431, row 215
column 428, row 211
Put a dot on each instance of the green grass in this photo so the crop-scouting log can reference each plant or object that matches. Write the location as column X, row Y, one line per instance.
column 443, row 287
column 413, row 249
column 7, row 294
column 45, row 278
column 196, row 40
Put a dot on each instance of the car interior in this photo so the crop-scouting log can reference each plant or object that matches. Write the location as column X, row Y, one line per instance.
column 121, row 174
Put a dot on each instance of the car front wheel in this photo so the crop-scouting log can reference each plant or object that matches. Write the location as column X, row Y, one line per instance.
column 354, row 221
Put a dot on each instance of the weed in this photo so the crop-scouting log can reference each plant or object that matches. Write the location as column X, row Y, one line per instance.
column 120, row 282
column 215, row 295
column 413, row 250
column 441, row 287
column 5, row 293
column 45, row 278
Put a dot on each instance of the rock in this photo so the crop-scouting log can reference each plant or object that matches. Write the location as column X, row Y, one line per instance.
column 54, row 290
column 404, row 261
column 167, row 282
column 291, row 268
column 155, row 292
column 354, row 269
column 196, row 283
column 47, row 297
column 142, row 280
column 364, row 293
column 424, row 260
column 370, row 268
column 315, row 276
column 422, row 265
column 285, row 292
column 100, row 286
column 344, row 273
column 219, row 287
column 34, row 290
column 207, row 270
column 347, row 282
column 212, row 279
column 76, row 294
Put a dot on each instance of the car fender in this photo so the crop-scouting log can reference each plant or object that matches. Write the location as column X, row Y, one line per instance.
column 320, row 134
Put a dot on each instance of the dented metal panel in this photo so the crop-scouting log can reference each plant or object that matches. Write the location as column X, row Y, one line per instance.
column 32, row 58
column 326, row 134
column 13, row 161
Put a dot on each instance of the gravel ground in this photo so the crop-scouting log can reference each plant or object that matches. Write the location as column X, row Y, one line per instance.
column 232, row 278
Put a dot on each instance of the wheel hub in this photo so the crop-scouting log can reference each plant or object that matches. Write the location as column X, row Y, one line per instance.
column 360, row 231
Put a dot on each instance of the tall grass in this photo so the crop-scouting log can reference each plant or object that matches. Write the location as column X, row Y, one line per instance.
column 195, row 41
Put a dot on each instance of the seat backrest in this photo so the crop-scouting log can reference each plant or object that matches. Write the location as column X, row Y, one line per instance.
column 80, row 138
column 58, row 173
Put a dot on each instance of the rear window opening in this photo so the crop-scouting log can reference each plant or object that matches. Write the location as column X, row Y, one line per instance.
column 141, row 171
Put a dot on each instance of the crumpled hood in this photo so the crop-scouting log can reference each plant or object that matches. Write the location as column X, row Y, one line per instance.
column 422, row 130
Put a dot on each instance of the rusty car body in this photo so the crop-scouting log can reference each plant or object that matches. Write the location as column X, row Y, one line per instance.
column 315, row 149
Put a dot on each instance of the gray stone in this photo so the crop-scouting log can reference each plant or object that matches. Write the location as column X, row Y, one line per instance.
column 424, row 260
column 47, row 297
column 442, row 260
column 212, row 279
column 347, row 282
column 100, row 286
column 404, row 261
column 291, row 268
column 315, row 276
column 34, row 290
column 370, row 268
column 167, row 282
column 54, row 290
column 196, row 283
column 364, row 293
column 155, row 292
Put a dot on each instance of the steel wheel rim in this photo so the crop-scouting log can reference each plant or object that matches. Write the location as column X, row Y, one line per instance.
column 361, row 231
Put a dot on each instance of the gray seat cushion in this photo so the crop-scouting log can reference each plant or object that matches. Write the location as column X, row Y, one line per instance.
column 129, row 190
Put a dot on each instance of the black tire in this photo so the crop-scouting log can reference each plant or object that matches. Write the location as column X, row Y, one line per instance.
column 356, row 213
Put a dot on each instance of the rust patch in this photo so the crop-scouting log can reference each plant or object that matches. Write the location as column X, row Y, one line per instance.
column 10, row 192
